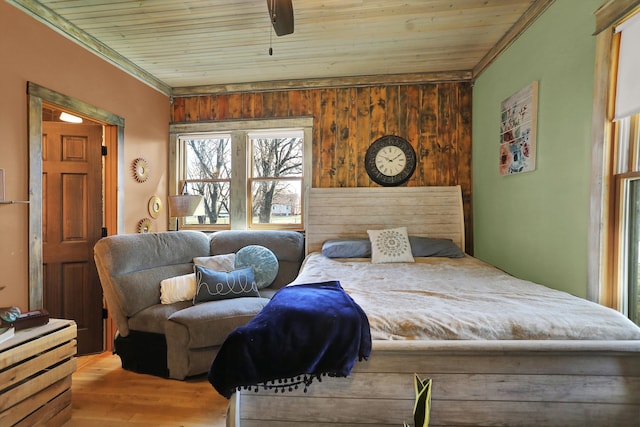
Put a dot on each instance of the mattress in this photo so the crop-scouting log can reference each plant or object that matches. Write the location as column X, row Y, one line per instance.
column 463, row 299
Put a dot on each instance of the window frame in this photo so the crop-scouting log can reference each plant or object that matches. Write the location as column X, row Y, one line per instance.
column 239, row 191
column 621, row 278
column 184, row 181
column 602, row 239
column 625, row 154
column 251, row 179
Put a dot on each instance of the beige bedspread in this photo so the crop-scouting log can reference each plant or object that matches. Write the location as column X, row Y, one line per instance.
column 465, row 298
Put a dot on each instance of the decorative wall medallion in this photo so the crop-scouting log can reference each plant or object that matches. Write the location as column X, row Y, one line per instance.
column 144, row 225
column 140, row 169
column 155, row 206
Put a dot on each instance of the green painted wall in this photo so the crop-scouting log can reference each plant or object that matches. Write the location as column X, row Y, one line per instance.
column 535, row 225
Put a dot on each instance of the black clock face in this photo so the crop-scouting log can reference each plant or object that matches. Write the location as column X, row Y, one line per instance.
column 390, row 160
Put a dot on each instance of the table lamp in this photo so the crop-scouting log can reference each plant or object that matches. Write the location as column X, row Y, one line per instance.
column 182, row 205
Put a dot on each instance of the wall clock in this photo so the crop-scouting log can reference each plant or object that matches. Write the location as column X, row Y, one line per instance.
column 390, row 160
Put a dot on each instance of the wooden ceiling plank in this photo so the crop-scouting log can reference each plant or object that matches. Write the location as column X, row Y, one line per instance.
column 191, row 42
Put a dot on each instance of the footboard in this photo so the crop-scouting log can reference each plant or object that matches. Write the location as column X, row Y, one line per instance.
column 489, row 383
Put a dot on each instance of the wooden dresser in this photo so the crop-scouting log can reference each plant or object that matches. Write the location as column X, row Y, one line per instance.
column 35, row 375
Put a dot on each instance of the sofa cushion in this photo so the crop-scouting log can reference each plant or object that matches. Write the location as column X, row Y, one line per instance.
column 179, row 288
column 268, row 292
column 209, row 323
column 152, row 319
column 134, row 252
column 287, row 245
column 131, row 267
column 217, row 262
column 214, row 285
column 141, row 289
column 263, row 262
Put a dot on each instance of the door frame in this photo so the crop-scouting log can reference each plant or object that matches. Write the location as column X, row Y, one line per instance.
column 113, row 174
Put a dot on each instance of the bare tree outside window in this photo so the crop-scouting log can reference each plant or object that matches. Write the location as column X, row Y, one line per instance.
column 273, row 181
column 208, row 173
column 276, row 179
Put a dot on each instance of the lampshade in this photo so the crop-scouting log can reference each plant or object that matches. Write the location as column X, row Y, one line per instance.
column 183, row 205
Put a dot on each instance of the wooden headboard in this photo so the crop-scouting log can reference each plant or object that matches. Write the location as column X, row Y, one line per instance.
column 350, row 212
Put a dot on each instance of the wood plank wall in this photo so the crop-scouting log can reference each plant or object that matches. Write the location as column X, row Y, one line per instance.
column 434, row 117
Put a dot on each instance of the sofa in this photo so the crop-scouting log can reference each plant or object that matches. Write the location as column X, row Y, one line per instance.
column 180, row 339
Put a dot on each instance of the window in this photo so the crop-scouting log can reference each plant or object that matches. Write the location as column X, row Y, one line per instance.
column 622, row 173
column 627, row 216
column 249, row 176
column 631, row 226
column 275, row 178
column 614, row 236
column 207, row 172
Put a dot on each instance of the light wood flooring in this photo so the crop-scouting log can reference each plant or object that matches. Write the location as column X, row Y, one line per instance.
column 104, row 395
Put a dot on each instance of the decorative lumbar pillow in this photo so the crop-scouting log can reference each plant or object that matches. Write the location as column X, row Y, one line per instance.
column 179, row 288
column 355, row 247
column 263, row 262
column 429, row 246
column 224, row 262
column 214, row 285
column 390, row 245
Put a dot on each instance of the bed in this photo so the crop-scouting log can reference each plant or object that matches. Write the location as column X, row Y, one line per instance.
column 583, row 369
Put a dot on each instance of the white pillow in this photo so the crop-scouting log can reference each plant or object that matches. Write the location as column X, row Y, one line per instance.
column 390, row 245
column 224, row 262
column 179, row 288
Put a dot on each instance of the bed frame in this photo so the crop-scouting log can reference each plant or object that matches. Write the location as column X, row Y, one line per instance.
column 480, row 383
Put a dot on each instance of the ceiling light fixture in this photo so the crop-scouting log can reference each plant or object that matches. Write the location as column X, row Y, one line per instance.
column 70, row 118
column 281, row 17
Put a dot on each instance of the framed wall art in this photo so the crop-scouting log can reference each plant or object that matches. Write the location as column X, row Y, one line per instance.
column 518, row 126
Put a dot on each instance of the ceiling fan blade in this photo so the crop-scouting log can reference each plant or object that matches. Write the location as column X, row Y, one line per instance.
column 281, row 16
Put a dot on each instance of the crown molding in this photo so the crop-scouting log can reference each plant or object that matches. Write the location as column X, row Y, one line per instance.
column 57, row 23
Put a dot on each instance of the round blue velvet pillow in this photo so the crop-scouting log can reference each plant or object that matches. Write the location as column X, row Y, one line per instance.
column 263, row 261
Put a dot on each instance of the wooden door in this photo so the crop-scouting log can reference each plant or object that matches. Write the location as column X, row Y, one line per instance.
column 71, row 225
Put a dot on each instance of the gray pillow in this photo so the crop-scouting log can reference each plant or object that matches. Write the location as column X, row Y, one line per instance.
column 356, row 247
column 428, row 246
column 214, row 285
column 347, row 248
column 262, row 260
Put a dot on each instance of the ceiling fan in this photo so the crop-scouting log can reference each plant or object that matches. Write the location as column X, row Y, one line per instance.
column 281, row 15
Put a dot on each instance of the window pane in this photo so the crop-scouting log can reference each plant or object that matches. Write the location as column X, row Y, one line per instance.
column 208, row 157
column 622, row 162
column 633, row 249
column 276, row 157
column 214, row 209
column 276, row 202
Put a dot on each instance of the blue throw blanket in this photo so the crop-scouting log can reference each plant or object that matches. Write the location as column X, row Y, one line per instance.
column 305, row 331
